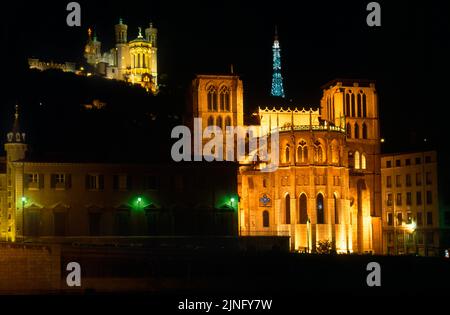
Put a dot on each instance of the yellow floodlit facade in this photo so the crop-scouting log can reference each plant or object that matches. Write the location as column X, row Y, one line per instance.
column 134, row 61
column 327, row 185
column 410, row 203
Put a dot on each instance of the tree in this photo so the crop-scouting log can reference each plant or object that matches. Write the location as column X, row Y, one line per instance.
column 324, row 247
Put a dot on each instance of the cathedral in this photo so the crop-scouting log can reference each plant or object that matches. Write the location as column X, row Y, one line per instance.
column 327, row 185
column 133, row 61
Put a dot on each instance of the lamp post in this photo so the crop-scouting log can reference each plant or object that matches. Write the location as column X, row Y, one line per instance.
column 412, row 229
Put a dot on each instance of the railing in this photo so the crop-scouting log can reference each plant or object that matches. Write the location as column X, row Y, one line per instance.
column 264, row 233
column 310, row 127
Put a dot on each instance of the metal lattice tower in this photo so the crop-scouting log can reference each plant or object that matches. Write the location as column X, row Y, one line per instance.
column 277, row 79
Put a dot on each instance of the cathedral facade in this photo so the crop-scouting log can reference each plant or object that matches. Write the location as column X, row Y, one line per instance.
column 327, row 185
column 133, row 61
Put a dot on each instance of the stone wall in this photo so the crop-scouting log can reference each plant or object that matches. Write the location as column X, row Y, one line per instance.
column 28, row 268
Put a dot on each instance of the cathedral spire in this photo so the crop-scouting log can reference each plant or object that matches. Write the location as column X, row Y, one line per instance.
column 277, row 79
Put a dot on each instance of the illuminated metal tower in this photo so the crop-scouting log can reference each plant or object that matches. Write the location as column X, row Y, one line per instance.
column 277, row 79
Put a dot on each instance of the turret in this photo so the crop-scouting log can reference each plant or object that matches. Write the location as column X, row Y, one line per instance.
column 121, row 32
column 151, row 34
column 15, row 146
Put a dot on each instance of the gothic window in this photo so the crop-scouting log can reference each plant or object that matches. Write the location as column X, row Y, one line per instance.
column 364, row 131
column 265, row 216
column 359, row 105
column 302, row 152
column 353, row 105
column 320, row 209
column 336, row 210
column 287, row 154
column 211, row 121
column 318, row 154
column 364, row 99
column 349, row 130
column 219, row 122
column 212, row 98
column 227, row 121
column 335, row 153
column 356, row 131
column 287, row 209
column 225, row 99
column 347, row 104
column 303, row 209
column 357, row 160
column 363, row 161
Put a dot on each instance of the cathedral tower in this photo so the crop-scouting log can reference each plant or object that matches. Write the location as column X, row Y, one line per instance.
column 353, row 105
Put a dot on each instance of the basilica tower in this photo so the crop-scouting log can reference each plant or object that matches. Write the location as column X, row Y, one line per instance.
column 122, row 49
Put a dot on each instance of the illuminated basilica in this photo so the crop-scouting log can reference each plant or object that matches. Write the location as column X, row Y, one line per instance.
column 133, row 61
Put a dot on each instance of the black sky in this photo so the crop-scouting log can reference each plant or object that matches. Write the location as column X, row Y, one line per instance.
column 320, row 40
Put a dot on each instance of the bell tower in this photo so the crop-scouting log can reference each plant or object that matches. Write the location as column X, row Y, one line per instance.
column 353, row 105
column 15, row 148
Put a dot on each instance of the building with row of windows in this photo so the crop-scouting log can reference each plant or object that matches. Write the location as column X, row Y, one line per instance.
column 411, row 212
column 61, row 199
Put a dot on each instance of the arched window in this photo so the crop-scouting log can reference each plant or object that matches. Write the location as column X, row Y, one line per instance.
column 357, row 161
column 287, row 154
column 219, row 122
column 349, row 130
column 363, row 161
column 212, row 98
column 347, row 104
column 302, row 153
column 359, row 105
column 336, row 210
column 335, row 153
column 303, row 210
column 353, row 105
column 264, row 183
column 287, row 209
column 320, row 209
column 224, row 99
column 318, row 153
column 211, row 121
column 356, row 131
column 364, row 131
column 364, row 105
column 227, row 121
column 265, row 216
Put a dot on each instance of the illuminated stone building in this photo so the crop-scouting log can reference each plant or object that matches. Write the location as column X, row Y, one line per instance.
column 35, row 63
column 66, row 199
column 134, row 61
column 327, row 186
column 411, row 217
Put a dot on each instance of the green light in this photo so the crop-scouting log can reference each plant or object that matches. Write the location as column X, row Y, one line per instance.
column 24, row 199
column 139, row 200
column 232, row 199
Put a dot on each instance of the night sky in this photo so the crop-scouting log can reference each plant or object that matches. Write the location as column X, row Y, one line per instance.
column 408, row 55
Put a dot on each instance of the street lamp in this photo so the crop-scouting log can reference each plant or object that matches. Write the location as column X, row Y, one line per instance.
column 411, row 227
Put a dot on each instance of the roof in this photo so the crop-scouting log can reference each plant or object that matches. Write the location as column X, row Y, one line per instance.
column 348, row 82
